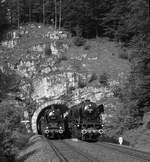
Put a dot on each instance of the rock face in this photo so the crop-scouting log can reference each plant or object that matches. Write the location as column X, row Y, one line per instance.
column 54, row 86
column 37, row 57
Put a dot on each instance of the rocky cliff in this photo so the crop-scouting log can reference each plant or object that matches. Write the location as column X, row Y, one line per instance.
column 38, row 55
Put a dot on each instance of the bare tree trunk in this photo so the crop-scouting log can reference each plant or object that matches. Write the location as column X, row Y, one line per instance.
column 11, row 19
column 96, row 31
column 43, row 12
column 55, row 2
column 30, row 11
column 18, row 13
column 60, row 14
column 148, row 9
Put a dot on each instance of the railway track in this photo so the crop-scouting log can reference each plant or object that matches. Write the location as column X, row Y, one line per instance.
column 139, row 155
column 68, row 153
column 110, row 153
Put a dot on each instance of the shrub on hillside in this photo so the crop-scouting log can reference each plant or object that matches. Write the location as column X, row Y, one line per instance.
column 92, row 77
column 70, row 89
column 103, row 79
column 87, row 47
column 48, row 51
column 79, row 41
column 77, row 65
column 117, row 91
column 63, row 57
column 81, row 83
column 123, row 55
column 12, row 132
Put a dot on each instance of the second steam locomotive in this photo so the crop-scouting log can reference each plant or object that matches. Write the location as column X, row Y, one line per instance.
column 85, row 120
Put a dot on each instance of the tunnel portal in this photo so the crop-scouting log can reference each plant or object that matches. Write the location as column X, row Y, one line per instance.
column 37, row 120
column 43, row 119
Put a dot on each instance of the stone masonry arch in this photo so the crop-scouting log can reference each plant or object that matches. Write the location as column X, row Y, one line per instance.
column 38, row 111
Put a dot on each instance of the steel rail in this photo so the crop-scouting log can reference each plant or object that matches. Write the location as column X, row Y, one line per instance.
column 66, row 152
column 88, row 157
column 61, row 157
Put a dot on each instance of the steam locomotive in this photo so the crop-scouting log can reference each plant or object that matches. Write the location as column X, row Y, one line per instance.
column 85, row 121
column 54, row 126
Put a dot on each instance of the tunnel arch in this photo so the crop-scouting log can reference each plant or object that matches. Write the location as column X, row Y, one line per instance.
column 41, row 108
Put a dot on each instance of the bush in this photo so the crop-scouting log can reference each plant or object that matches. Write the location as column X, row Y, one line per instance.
column 103, row 79
column 79, row 41
column 63, row 57
column 123, row 55
column 87, row 47
column 70, row 89
column 81, row 83
column 13, row 134
column 117, row 91
column 92, row 77
column 48, row 51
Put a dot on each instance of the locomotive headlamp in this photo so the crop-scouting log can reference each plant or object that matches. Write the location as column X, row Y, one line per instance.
column 46, row 131
column 100, row 131
column 86, row 107
column 89, row 131
column 84, row 131
column 51, row 113
column 94, row 131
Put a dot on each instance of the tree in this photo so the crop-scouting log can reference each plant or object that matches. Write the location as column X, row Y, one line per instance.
column 126, row 18
column 3, row 18
column 75, row 14
column 60, row 11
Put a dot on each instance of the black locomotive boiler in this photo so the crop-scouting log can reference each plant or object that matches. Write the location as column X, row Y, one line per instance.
column 85, row 120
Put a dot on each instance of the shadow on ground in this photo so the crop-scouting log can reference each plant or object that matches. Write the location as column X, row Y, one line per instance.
column 7, row 158
column 26, row 156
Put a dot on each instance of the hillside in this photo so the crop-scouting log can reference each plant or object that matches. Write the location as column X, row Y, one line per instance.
column 93, row 58
column 36, row 51
column 99, row 56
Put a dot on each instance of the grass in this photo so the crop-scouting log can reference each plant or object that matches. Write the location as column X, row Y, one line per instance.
column 94, row 56
column 102, row 56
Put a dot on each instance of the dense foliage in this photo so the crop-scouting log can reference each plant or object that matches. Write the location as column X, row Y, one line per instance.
column 12, row 132
column 114, row 18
